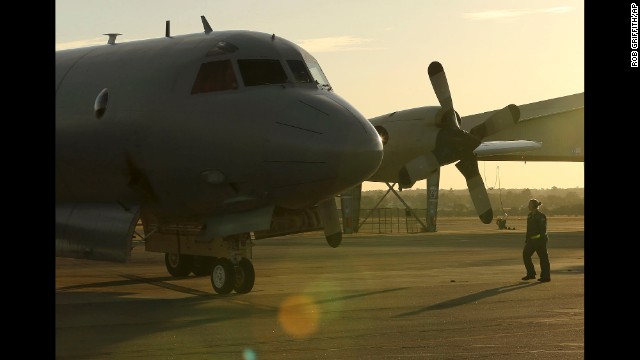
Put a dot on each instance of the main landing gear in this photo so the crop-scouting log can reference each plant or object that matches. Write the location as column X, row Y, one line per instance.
column 230, row 270
column 225, row 275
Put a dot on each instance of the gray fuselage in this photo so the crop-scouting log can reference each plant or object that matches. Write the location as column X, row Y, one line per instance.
column 198, row 125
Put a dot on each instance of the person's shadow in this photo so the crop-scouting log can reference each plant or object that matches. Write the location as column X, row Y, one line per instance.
column 469, row 298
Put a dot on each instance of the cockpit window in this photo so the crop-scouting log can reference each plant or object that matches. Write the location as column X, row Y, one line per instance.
column 215, row 76
column 315, row 70
column 318, row 75
column 261, row 72
column 300, row 72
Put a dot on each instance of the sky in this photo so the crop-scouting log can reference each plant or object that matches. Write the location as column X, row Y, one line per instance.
column 375, row 54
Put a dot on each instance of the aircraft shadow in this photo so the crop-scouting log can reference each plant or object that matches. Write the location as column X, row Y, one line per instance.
column 469, row 298
column 130, row 281
column 348, row 297
column 86, row 308
column 136, row 280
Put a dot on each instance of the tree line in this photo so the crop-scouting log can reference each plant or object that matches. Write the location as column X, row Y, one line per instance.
column 513, row 202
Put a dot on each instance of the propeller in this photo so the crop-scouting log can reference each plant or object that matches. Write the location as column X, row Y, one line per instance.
column 498, row 121
column 454, row 144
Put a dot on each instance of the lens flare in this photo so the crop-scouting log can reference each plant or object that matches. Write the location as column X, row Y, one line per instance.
column 249, row 354
column 327, row 301
column 299, row 316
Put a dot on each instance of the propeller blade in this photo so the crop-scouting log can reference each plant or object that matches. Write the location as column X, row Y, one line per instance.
column 329, row 216
column 440, row 85
column 499, row 120
column 469, row 169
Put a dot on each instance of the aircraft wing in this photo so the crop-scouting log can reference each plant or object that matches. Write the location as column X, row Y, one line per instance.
column 557, row 123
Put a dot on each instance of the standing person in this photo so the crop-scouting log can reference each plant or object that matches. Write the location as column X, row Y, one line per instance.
column 536, row 241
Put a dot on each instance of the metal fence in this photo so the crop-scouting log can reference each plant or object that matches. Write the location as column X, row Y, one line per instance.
column 390, row 220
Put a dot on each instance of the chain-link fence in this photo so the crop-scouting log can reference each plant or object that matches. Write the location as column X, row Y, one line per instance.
column 391, row 220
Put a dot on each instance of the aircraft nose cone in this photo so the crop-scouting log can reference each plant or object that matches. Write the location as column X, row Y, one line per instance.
column 360, row 154
column 319, row 148
column 359, row 148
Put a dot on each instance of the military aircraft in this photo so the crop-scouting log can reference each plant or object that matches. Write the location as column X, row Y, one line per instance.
column 211, row 139
column 215, row 139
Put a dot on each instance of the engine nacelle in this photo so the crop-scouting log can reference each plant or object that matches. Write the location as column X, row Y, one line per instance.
column 406, row 135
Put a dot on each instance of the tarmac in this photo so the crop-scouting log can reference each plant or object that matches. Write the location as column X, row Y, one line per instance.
column 452, row 294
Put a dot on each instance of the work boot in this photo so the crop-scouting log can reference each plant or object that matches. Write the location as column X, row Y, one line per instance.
column 544, row 279
column 529, row 277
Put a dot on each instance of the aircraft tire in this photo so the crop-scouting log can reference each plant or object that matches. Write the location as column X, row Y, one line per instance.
column 245, row 276
column 202, row 265
column 223, row 275
column 178, row 265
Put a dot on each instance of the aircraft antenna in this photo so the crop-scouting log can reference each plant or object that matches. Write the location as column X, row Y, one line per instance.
column 112, row 38
column 167, row 29
column 205, row 24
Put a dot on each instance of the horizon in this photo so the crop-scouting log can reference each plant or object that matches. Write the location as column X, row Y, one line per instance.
column 488, row 189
